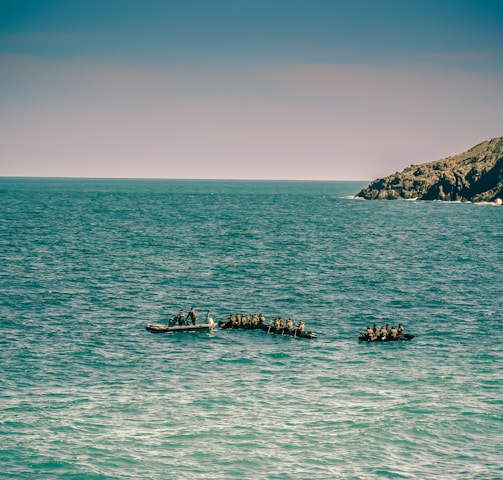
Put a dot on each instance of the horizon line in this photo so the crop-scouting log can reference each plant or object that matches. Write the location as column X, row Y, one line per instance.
column 65, row 177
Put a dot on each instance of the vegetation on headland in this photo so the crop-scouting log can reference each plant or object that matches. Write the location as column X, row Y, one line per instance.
column 473, row 176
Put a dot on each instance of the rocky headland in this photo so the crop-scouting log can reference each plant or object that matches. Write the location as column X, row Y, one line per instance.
column 473, row 176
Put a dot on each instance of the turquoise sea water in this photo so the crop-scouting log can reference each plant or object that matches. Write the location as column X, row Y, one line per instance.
column 87, row 393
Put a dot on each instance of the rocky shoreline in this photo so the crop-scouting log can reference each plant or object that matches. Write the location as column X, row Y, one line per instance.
column 473, row 176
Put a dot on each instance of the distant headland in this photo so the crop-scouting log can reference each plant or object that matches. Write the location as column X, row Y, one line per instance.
column 473, row 176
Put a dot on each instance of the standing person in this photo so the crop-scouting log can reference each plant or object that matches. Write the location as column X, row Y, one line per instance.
column 180, row 318
column 192, row 315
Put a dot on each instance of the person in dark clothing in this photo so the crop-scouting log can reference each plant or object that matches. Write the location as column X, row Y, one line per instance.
column 180, row 318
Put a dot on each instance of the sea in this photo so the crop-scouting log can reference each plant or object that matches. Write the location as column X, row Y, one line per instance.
column 86, row 392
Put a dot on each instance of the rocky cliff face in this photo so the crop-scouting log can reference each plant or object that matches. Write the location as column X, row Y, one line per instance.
column 474, row 176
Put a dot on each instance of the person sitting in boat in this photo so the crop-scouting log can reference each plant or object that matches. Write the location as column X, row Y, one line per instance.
column 393, row 333
column 388, row 331
column 192, row 315
column 383, row 333
column 245, row 320
column 238, row 319
column 400, row 329
column 375, row 331
column 180, row 318
column 369, row 333
column 254, row 320
column 289, row 324
column 301, row 326
column 261, row 319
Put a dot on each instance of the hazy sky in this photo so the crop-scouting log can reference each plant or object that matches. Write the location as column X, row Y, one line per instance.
column 276, row 89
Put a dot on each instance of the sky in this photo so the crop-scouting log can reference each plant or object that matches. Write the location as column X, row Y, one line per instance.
column 245, row 89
